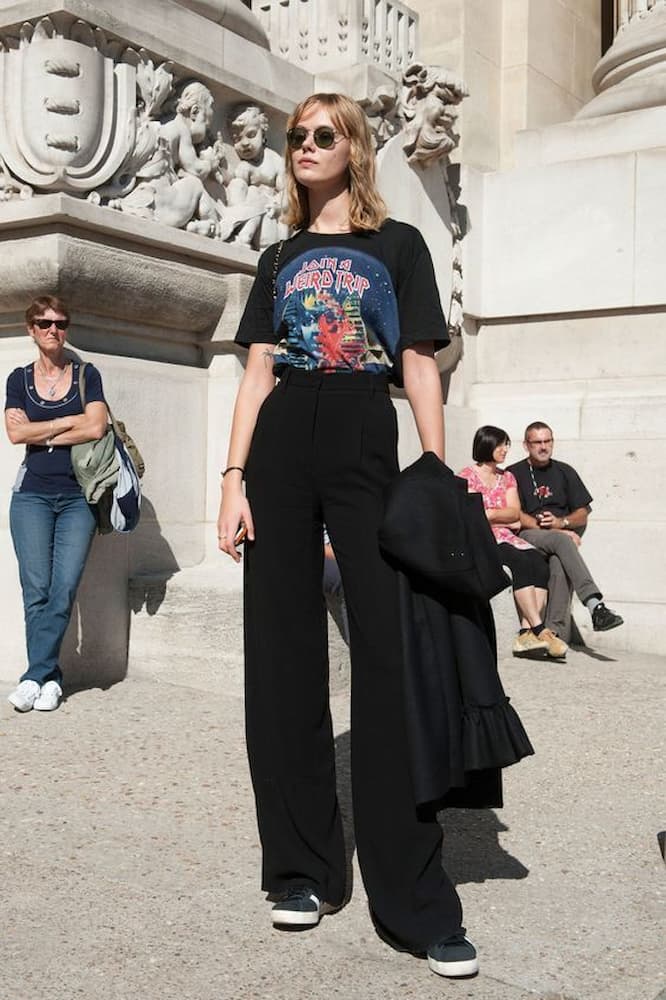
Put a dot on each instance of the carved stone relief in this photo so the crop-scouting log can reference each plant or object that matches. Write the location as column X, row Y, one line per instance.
column 381, row 110
column 66, row 104
column 134, row 138
column 428, row 108
column 140, row 141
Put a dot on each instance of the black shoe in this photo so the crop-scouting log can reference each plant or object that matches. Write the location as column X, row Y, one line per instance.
column 604, row 619
column 300, row 906
column 454, row 956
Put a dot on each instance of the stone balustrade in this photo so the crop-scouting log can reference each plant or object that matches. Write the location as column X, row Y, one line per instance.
column 324, row 35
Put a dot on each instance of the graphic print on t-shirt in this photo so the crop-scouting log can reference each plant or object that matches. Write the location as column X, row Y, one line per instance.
column 339, row 310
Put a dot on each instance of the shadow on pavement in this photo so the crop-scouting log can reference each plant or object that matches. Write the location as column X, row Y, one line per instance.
column 593, row 654
column 472, row 851
column 343, row 775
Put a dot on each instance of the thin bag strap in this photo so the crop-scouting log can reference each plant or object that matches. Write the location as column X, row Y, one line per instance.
column 82, row 385
column 276, row 262
column 82, row 394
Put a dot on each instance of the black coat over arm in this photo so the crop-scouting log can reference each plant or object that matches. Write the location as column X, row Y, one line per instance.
column 462, row 729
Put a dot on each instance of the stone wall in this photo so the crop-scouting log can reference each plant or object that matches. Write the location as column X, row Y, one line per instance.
column 527, row 63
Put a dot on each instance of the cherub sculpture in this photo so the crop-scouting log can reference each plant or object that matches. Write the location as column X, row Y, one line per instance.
column 257, row 181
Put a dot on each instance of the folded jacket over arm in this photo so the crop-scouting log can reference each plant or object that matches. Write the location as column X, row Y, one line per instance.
column 461, row 727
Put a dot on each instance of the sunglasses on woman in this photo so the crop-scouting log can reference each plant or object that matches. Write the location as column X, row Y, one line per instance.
column 324, row 136
column 46, row 324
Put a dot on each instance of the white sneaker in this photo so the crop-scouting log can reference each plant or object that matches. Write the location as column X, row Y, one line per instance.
column 49, row 697
column 24, row 696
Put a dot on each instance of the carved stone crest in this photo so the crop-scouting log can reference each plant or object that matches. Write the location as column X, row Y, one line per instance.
column 66, row 106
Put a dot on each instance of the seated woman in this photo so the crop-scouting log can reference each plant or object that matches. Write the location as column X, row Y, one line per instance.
column 529, row 570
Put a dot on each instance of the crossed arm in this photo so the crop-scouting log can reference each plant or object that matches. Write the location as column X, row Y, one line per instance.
column 88, row 426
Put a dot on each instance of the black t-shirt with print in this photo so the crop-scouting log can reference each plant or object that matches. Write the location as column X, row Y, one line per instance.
column 347, row 302
column 556, row 487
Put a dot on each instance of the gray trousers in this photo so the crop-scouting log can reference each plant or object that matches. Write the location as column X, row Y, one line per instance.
column 568, row 573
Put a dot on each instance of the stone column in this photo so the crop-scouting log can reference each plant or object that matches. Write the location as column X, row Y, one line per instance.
column 631, row 75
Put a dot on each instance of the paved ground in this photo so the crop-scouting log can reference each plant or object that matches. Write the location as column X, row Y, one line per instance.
column 130, row 855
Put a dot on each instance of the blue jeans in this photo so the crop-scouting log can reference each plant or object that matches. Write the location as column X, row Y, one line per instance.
column 52, row 536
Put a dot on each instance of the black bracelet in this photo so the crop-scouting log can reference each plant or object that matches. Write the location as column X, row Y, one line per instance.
column 232, row 468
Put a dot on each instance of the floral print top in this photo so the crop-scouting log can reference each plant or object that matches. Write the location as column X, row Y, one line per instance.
column 495, row 497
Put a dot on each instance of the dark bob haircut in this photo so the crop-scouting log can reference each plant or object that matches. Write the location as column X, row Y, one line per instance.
column 486, row 439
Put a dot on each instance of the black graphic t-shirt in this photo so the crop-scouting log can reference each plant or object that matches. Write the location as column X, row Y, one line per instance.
column 348, row 302
column 556, row 487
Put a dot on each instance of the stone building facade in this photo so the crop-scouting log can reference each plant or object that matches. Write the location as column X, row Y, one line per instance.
column 140, row 177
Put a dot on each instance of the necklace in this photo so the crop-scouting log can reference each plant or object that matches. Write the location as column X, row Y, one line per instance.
column 540, row 492
column 53, row 379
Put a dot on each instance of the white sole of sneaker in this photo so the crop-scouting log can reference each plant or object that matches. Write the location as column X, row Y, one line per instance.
column 298, row 918
column 454, row 969
column 295, row 918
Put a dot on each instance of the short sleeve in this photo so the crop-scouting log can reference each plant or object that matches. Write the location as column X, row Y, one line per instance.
column 419, row 306
column 94, row 391
column 577, row 493
column 15, row 395
column 509, row 480
column 256, row 325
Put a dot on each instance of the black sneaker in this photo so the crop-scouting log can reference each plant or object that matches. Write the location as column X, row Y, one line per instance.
column 604, row 619
column 299, row 907
column 454, row 956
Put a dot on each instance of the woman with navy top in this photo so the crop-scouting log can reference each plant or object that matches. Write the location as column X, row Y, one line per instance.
column 340, row 310
column 51, row 523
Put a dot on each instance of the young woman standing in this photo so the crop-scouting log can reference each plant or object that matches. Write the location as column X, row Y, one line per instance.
column 345, row 306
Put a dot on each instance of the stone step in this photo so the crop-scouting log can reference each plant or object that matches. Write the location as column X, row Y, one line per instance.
column 188, row 628
column 600, row 410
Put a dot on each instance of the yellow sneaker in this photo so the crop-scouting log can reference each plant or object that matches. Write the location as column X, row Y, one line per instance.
column 529, row 647
column 557, row 649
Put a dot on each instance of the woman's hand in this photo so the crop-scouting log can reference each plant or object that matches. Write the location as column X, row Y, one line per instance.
column 234, row 522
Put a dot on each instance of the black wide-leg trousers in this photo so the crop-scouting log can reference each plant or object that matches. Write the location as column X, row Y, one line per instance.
column 323, row 449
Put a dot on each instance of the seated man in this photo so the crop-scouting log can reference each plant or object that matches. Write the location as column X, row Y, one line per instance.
column 555, row 507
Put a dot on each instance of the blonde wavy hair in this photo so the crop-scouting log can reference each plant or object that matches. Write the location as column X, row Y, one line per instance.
column 367, row 210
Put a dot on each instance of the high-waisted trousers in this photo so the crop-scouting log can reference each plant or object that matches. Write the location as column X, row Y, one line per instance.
column 323, row 449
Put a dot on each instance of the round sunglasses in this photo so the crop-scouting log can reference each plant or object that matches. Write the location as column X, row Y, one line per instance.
column 324, row 136
column 46, row 324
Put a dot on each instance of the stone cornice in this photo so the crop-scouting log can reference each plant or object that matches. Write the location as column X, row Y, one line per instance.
column 217, row 54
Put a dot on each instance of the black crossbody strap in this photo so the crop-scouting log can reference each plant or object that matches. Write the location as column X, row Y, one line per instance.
column 276, row 264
